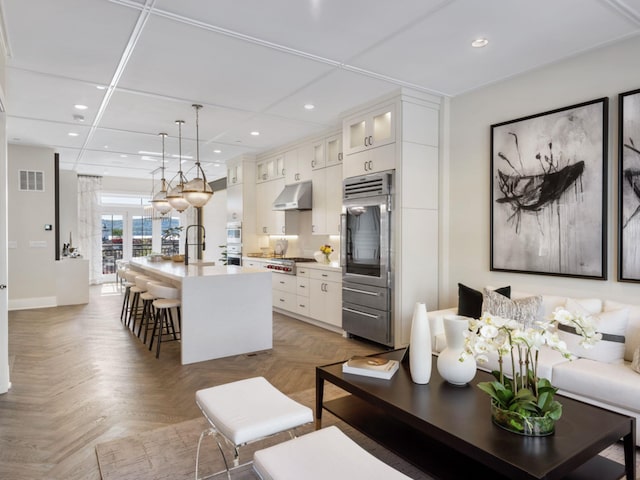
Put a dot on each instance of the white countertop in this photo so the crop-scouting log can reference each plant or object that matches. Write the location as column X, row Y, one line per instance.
column 179, row 271
column 333, row 266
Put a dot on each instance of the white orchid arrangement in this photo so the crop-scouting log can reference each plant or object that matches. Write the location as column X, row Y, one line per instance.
column 525, row 393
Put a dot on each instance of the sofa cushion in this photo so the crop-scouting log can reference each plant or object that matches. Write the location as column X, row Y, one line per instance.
column 470, row 300
column 586, row 306
column 635, row 364
column 612, row 325
column 610, row 349
column 524, row 310
column 614, row 384
column 632, row 336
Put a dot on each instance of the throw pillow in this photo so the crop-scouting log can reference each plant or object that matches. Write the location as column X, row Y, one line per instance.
column 585, row 306
column 527, row 310
column 635, row 365
column 612, row 325
column 470, row 300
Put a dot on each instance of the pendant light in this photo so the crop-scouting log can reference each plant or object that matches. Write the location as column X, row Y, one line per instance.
column 160, row 202
column 197, row 191
column 175, row 196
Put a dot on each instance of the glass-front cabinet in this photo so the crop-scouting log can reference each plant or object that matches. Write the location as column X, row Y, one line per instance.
column 372, row 129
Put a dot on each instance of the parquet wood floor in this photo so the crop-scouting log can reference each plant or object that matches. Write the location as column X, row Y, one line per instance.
column 79, row 378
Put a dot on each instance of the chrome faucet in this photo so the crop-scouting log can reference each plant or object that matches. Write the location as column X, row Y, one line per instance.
column 186, row 241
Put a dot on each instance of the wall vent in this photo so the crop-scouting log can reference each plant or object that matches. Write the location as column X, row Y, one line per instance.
column 32, row 180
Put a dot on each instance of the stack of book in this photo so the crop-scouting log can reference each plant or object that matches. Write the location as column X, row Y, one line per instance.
column 371, row 367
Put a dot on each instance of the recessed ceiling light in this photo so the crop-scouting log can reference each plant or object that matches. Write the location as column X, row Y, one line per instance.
column 101, row 87
column 217, row 151
column 123, row 156
column 255, row 133
column 309, row 106
column 78, row 106
column 78, row 118
column 145, row 152
column 105, row 146
column 479, row 42
column 73, row 134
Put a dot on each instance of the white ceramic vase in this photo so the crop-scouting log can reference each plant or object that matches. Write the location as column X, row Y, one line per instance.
column 420, row 345
column 449, row 365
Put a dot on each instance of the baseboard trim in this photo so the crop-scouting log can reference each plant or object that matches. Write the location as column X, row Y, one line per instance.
column 35, row 302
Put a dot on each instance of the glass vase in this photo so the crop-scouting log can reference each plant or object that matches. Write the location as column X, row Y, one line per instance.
column 516, row 423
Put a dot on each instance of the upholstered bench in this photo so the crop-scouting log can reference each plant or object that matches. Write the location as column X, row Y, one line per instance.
column 324, row 454
column 248, row 410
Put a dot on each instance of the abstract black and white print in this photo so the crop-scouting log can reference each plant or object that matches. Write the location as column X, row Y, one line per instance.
column 629, row 186
column 548, row 198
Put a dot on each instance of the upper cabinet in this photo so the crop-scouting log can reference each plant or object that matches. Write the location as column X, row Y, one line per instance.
column 270, row 168
column 333, row 150
column 370, row 129
column 297, row 164
column 234, row 173
column 317, row 155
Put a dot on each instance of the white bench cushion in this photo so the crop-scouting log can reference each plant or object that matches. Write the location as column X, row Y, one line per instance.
column 250, row 409
column 326, row 454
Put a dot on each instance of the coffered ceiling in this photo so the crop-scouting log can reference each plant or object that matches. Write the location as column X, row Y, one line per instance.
column 139, row 65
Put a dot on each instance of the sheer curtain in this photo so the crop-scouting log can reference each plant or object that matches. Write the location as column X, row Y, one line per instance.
column 89, row 224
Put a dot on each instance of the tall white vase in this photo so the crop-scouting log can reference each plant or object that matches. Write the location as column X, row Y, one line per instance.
column 449, row 365
column 420, row 345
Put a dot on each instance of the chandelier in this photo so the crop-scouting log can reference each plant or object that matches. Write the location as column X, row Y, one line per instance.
column 159, row 201
column 175, row 196
column 197, row 191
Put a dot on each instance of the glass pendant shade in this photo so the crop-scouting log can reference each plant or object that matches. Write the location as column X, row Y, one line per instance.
column 160, row 202
column 197, row 192
column 176, row 199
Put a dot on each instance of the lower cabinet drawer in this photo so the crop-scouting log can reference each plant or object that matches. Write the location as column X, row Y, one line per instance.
column 285, row 300
column 302, row 305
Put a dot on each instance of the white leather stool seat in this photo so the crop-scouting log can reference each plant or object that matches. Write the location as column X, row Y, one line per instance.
column 251, row 409
column 166, row 303
column 324, row 454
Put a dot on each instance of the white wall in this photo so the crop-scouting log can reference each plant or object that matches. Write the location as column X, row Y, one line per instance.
column 605, row 72
column 31, row 268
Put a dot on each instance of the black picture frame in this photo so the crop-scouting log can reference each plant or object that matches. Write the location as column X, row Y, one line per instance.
column 549, row 192
column 629, row 186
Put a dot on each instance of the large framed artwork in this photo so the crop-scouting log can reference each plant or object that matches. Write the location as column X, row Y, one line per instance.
column 549, row 192
column 629, row 187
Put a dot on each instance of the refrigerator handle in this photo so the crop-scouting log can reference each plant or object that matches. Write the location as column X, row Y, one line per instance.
column 343, row 241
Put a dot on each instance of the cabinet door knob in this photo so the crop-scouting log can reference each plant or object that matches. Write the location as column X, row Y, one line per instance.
column 365, row 141
column 2, row 287
column 370, row 141
column 340, row 157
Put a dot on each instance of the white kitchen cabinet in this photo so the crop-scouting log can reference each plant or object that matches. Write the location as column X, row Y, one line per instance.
column 269, row 221
column 270, row 168
column 327, row 200
column 317, row 154
column 284, row 291
column 297, row 164
column 234, row 202
column 370, row 161
column 333, row 149
column 253, row 262
column 370, row 129
column 325, row 296
column 302, row 292
column 234, row 174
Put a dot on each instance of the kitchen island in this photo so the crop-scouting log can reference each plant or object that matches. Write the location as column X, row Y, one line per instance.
column 226, row 310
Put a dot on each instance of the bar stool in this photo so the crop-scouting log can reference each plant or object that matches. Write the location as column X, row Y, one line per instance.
column 134, row 309
column 130, row 281
column 167, row 298
column 148, row 311
column 121, row 267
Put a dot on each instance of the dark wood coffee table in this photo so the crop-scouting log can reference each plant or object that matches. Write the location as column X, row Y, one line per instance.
column 447, row 431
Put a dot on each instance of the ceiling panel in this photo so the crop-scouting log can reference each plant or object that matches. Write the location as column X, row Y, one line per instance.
column 338, row 91
column 33, row 95
column 131, row 111
column 73, row 38
column 333, row 29
column 182, row 61
column 44, row 133
column 522, row 35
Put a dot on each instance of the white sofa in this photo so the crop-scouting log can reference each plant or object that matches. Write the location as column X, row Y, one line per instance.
column 614, row 386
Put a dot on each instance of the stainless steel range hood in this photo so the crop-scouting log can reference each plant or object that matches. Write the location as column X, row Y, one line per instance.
column 294, row 197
